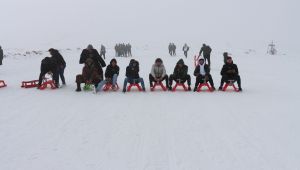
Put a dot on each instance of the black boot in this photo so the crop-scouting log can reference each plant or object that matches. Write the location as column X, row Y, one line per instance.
column 78, row 87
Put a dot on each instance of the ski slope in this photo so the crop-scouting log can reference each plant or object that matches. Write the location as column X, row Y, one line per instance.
column 62, row 130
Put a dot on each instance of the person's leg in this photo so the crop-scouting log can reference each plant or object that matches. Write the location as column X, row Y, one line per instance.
column 151, row 80
column 171, row 78
column 208, row 59
column 55, row 78
column 223, row 80
column 79, row 80
column 62, row 76
column 42, row 74
column 125, row 84
column 141, row 80
column 114, row 79
column 210, row 80
column 198, row 78
column 238, row 79
column 167, row 80
column 188, row 78
column 100, row 85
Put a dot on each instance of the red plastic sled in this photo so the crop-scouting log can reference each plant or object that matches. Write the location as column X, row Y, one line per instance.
column 180, row 84
column 136, row 85
column 108, row 86
column 199, row 89
column 2, row 84
column 46, row 83
column 159, row 84
column 230, row 83
column 30, row 84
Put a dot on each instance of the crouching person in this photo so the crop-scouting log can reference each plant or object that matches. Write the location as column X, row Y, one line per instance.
column 48, row 65
column 180, row 75
column 111, row 76
column 132, row 75
column 90, row 75
column 158, row 73
column 202, row 73
column 230, row 72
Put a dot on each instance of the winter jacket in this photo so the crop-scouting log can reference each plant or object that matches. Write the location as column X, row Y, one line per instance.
column 133, row 71
column 48, row 64
column 197, row 70
column 206, row 50
column 98, row 60
column 229, row 70
column 180, row 72
column 158, row 71
column 59, row 59
column 111, row 71
column 90, row 73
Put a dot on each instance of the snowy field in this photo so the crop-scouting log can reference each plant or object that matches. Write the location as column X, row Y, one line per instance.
column 62, row 130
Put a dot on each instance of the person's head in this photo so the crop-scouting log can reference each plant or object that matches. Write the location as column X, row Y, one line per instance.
column 158, row 62
column 52, row 51
column 90, row 47
column 201, row 61
column 225, row 54
column 113, row 62
column 204, row 45
column 0, row 47
column 180, row 63
column 229, row 60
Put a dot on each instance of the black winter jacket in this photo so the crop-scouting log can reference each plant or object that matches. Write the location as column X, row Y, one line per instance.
column 133, row 71
column 229, row 70
column 206, row 69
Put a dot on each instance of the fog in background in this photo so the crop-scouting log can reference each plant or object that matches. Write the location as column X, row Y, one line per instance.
column 220, row 23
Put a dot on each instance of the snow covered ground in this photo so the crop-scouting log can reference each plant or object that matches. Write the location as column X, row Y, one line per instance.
column 61, row 129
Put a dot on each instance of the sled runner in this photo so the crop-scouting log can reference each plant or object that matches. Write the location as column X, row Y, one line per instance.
column 29, row 84
column 2, row 84
column 159, row 84
column 201, row 85
column 179, row 84
column 109, row 86
column 136, row 85
column 230, row 83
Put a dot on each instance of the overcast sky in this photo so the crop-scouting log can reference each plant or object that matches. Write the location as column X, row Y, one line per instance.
column 42, row 23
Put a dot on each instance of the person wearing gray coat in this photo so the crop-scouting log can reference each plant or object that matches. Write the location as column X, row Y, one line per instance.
column 158, row 73
column 1, row 55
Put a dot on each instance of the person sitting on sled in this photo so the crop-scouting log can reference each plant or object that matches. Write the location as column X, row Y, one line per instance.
column 48, row 65
column 158, row 73
column 111, row 76
column 92, row 53
column 202, row 73
column 132, row 75
column 90, row 75
column 180, row 75
column 230, row 72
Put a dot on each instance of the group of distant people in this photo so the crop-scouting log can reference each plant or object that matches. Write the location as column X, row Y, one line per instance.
column 172, row 49
column 92, row 73
column 123, row 50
